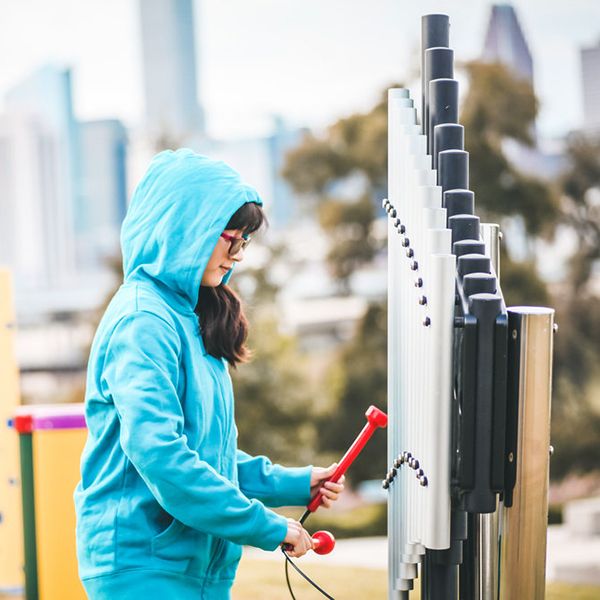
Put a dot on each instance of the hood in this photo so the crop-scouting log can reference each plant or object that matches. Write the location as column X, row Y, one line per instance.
column 175, row 218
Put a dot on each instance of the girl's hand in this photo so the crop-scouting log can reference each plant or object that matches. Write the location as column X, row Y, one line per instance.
column 329, row 489
column 298, row 538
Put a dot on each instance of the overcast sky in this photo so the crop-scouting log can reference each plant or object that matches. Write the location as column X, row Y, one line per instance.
column 310, row 61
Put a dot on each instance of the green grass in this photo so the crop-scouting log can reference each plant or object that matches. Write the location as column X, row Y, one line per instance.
column 265, row 580
column 565, row 591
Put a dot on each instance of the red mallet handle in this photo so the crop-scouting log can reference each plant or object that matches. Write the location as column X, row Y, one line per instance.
column 375, row 419
column 323, row 541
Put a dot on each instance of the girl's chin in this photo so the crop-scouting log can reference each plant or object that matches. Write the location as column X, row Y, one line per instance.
column 213, row 280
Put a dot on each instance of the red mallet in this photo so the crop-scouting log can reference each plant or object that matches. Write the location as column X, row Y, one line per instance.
column 375, row 419
column 323, row 542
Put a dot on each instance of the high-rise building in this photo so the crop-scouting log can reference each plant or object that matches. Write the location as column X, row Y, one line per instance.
column 104, row 190
column 285, row 202
column 506, row 44
column 39, row 140
column 173, row 113
column 22, row 233
column 590, row 70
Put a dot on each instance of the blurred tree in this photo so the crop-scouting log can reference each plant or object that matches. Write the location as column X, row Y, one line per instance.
column 576, row 386
column 344, row 173
column 349, row 228
column 274, row 397
column 257, row 285
column 579, row 305
column 499, row 107
column 581, row 206
column 576, row 419
column 359, row 380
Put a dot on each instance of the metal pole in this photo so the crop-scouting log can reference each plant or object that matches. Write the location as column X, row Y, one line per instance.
column 490, row 233
column 487, row 542
column 487, row 524
column 525, row 512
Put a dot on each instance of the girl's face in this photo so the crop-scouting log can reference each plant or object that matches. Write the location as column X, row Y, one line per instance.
column 220, row 261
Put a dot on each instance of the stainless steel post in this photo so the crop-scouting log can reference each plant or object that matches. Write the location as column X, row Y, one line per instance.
column 488, row 555
column 490, row 233
column 486, row 540
column 525, row 517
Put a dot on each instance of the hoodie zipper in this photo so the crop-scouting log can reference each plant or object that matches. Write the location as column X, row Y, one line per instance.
column 217, row 552
column 220, row 375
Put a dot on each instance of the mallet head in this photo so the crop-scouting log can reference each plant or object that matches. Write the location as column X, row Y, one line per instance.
column 376, row 417
column 324, row 542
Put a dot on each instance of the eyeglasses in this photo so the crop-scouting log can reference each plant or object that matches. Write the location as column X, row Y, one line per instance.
column 236, row 243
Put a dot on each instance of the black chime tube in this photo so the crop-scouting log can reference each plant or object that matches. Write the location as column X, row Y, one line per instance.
column 435, row 33
column 438, row 64
column 447, row 136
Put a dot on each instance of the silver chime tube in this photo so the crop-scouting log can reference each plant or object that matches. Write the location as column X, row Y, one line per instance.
column 402, row 130
column 399, row 116
column 419, row 266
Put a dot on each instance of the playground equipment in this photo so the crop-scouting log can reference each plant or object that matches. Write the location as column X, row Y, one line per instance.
column 469, row 381
column 51, row 439
column 11, row 537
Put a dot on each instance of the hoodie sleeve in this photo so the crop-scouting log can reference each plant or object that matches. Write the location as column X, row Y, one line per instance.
column 141, row 373
column 273, row 484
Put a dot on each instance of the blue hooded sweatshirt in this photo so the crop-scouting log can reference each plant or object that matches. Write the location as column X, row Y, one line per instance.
column 166, row 498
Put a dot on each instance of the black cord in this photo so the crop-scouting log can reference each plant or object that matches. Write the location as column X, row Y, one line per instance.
column 288, row 560
column 287, row 578
column 304, row 517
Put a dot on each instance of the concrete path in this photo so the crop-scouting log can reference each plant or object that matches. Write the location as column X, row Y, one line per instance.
column 572, row 559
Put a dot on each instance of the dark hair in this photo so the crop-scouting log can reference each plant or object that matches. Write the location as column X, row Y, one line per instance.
column 223, row 325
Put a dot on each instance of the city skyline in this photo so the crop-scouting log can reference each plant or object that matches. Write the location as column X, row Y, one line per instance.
column 294, row 60
column 63, row 228
column 63, row 185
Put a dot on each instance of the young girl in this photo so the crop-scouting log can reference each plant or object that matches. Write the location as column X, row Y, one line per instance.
column 166, row 499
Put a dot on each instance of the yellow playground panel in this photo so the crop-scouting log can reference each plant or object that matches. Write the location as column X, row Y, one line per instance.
column 11, row 528
column 56, row 472
column 52, row 439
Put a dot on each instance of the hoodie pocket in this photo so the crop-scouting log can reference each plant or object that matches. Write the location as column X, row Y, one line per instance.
column 225, row 559
column 177, row 544
column 169, row 535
